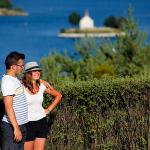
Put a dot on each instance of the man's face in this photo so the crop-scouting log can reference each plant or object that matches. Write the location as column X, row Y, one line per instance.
column 19, row 66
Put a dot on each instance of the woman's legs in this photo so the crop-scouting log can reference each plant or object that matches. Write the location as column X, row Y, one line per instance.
column 29, row 145
column 36, row 134
column 39, row 143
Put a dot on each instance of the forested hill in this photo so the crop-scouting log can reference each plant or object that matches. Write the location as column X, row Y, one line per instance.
column 6, row 4
column 7, row 9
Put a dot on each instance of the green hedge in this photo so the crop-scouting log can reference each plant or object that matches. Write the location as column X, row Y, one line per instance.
column 109, row 114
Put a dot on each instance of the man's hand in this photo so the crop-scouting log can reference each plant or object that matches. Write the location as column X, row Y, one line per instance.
column 46, row 84
column 17, row 134
column 8, row 102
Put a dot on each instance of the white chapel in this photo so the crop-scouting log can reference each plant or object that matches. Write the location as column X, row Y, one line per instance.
column 86, row 22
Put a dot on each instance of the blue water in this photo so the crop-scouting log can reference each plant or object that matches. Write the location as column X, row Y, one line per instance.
column 37, row 34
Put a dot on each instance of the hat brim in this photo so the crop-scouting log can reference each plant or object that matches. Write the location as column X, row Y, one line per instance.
column 34, row 69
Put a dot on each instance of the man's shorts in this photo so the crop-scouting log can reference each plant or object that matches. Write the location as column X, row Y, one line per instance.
column 37, row 129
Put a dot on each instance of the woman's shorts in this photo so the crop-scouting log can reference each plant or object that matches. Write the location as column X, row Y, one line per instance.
column 37, row 129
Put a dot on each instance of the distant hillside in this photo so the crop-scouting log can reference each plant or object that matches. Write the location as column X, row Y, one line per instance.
column 7, row 9
column 6, row 4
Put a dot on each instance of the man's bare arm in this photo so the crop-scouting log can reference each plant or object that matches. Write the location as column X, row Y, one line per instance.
column 8, row 102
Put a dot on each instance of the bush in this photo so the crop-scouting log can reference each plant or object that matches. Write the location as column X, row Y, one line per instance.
column 110, row 114
column 18, row 9
column 103, row 70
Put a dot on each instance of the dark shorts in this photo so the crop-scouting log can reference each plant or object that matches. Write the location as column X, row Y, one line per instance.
column 37, row 129
column 7, row 137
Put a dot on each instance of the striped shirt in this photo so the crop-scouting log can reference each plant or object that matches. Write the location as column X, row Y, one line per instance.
column 12, row 86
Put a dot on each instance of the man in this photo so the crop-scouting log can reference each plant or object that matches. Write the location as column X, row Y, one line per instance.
column 13, row 126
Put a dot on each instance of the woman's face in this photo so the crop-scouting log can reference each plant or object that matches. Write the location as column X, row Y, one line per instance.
column 36, row 74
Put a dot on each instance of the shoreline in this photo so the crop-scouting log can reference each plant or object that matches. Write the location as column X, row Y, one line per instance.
column 78, row 35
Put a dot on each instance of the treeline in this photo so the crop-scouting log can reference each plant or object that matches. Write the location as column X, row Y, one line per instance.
column 127, row 55
column 110, row 21
column 115, row 22
column 8, row 8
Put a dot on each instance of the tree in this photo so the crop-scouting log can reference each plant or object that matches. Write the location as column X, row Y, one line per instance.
column 5, row 4
column 115, row 22
column 121, row 22
column 111, row 21
column 74, row 18
column 130, row 49
column 128, row 55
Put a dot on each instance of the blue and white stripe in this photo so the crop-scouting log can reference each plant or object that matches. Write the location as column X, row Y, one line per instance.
column 19, row 104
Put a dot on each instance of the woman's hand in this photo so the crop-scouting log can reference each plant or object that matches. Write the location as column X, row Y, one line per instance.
column 57, row 97
column 47, row 111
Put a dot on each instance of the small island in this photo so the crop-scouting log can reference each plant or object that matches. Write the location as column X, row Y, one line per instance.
column 11, row 12
column 96, row 32
column 7, row 9
column 87, row 29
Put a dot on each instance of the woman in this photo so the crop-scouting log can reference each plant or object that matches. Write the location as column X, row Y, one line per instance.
column 37, row 127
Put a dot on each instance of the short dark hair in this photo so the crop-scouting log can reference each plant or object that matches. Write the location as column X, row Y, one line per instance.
column 12, row 59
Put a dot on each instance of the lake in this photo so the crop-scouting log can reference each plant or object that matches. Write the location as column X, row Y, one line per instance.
column 36, row 35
